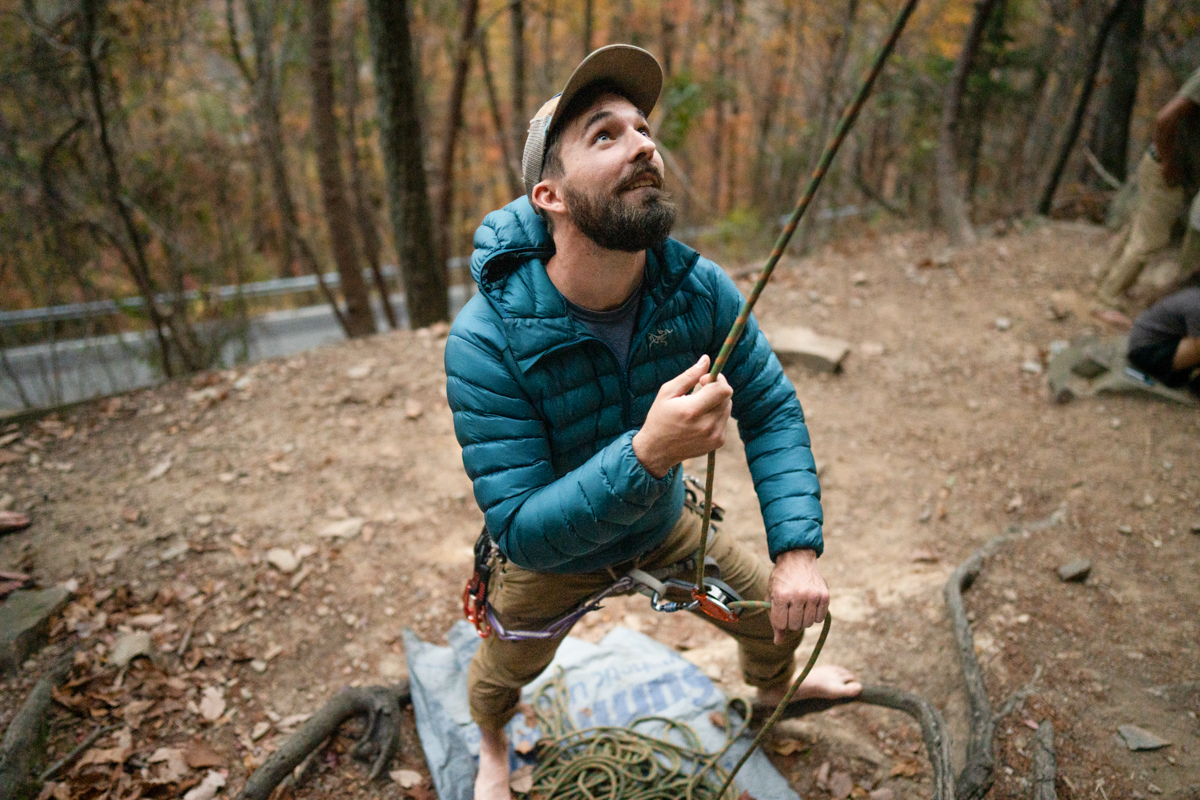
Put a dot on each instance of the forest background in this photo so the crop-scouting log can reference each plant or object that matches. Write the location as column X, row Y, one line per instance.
column 162, row 149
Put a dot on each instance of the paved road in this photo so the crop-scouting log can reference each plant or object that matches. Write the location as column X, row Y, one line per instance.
column 81, row 368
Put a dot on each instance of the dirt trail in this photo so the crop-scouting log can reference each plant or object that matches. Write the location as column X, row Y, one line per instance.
column 934, row 439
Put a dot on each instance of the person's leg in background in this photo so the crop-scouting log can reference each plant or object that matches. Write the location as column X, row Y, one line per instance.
column 1158, row 205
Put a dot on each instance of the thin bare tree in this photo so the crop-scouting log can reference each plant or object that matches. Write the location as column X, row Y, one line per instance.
column 952, row 204
column 454, row 115
column 360, row 320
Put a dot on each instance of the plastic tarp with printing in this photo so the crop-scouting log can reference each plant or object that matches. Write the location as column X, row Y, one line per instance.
column 624, row 677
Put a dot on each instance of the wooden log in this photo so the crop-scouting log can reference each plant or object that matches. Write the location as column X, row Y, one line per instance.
column 24, row 743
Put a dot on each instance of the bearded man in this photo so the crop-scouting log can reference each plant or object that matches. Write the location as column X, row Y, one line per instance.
column 578, row 380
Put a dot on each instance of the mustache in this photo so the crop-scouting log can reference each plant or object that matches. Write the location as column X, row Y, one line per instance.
column 640, row 172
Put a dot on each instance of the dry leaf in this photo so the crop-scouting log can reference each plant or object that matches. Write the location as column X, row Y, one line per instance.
column 524, row 748
column 200, row 755
column 906, row 769
column 717, row 718
column 208, row 787
column 522, row 779
column 212, row 703
column 407, row 778
column 176, row 765
column 785, row 747
column 133, row 712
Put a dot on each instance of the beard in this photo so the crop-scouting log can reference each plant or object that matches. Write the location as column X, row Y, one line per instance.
column 617, row 222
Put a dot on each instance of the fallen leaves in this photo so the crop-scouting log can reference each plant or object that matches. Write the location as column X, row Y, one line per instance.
column 212, row 703
column 407, row 778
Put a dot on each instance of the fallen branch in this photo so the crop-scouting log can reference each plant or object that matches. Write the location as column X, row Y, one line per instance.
column 80, row 749
column 933, row 726
column 25, row 740
column 380, row 740
column 1045, row 766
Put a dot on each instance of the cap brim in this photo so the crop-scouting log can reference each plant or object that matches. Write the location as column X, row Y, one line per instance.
column 631, row 69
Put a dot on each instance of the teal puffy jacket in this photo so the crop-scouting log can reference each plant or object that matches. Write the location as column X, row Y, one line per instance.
column 546, row 417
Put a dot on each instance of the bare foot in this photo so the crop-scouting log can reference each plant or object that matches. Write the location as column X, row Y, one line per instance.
column 827, row 682
column 492, row 781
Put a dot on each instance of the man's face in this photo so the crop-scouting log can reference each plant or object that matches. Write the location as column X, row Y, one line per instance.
column 612, row 181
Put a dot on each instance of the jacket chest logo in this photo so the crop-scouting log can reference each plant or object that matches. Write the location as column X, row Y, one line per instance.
column 660, row 337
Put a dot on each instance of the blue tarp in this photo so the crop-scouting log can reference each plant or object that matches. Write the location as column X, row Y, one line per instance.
column 624, row 677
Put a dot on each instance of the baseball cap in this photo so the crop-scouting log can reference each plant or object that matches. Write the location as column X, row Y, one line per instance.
column 631, row 69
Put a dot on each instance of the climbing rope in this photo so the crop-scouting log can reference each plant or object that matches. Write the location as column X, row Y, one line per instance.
column 625, row 763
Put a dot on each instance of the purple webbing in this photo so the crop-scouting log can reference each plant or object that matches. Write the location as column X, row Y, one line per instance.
column 560, row 626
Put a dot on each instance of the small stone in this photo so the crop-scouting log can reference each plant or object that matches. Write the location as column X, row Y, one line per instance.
column 1128, row 530
column 925, row 515
column 130, row 514
column 25, row 623
column 408, row 778
column 283, row 560
column 840, row 785
column 924, row 555
column 258, row 665
column 203, row 520
column 822, row 776
column 1140, row 739
column 159, row 469
column 1115, row 422
column 1032, row 367
column 129, row 647
column 1075, row 571
column 1003, row 323
column 360, row 371
column 227, row 477
column 413, row 409
column 391, row 667
column 1196, row 528
column 859, row 278
column 343, row 529
column 259, row 730
column 883, row 793
column 871, row 349
column 809, row 349
column 146, row 621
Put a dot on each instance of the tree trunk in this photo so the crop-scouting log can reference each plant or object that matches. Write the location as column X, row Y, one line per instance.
column 136, row 261
column 403, row 150
column 721, row 79
column 951, row 203
column 364, row 210
column 360, row 320
column 454, row 114
column 511, row 170
column 517, row 44
column 1085, row 94
column 667, row 25
column 589, row 19
column 1110, row 140
column 270, row 134
column 839, row 51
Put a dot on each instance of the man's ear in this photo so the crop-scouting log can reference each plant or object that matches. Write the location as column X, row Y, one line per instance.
column 547, row 196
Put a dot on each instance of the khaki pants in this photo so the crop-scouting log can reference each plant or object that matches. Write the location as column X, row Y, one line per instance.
column 1158, row 206
column 528, row 600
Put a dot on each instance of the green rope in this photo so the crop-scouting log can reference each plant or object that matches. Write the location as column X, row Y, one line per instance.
column 611, row 763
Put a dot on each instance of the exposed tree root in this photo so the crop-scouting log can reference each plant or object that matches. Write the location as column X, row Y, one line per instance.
column 933, row 726
column 25, row 740
column 380, row 741
column 1045, row 766
column 978, row 774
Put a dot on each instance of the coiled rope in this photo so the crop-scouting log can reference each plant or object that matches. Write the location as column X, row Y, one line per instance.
column 625, row 763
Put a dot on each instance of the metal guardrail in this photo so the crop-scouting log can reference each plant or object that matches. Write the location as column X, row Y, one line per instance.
column 269, row 288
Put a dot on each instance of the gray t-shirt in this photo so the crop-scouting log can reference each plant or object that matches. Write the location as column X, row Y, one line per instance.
column 1168, row 320
column 613, row 327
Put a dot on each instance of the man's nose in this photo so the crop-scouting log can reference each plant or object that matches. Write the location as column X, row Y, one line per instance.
column 644, row 147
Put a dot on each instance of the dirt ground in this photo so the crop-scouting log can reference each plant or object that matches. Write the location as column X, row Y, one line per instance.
column 164, row 507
